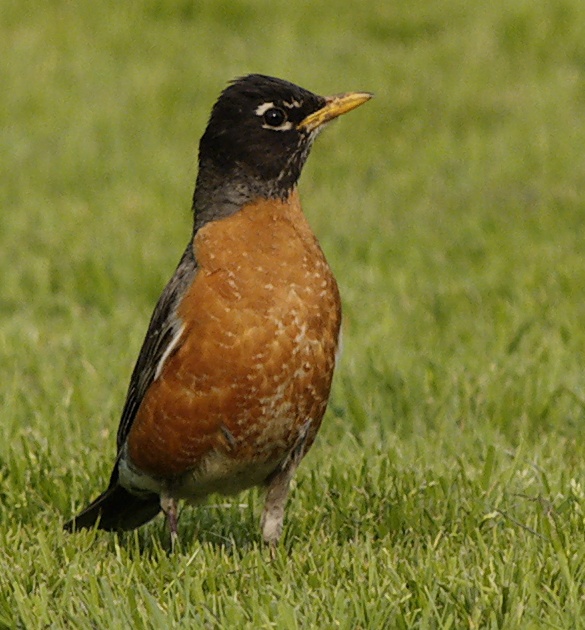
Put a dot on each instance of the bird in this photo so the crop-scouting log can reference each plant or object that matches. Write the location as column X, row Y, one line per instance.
column 235, row 371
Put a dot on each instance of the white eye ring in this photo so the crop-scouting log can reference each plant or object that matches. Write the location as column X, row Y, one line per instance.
column 261, row 110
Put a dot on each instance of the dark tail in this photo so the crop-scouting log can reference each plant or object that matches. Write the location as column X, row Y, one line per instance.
column 116, row 509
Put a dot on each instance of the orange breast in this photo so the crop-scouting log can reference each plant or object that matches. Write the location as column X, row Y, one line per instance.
column 257, row 353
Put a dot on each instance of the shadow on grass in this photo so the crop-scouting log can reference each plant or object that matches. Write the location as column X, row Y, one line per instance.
column 226, row 527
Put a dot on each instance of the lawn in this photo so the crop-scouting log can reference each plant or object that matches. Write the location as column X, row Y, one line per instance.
column 447, row 486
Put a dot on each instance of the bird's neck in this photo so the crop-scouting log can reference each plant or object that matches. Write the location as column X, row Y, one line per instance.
column 219, row 194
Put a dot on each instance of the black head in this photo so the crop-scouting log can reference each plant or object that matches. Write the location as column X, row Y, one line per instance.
column 257, row 140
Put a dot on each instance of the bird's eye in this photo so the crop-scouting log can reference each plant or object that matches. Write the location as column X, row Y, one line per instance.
column 274, row 117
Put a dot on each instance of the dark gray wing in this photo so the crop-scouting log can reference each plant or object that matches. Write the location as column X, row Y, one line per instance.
column 164, row 326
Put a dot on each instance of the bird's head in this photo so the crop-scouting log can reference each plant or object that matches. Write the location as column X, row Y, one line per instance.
column 260, row 133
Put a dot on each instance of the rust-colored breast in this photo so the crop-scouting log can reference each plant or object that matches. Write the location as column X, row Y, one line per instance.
column 255, row 360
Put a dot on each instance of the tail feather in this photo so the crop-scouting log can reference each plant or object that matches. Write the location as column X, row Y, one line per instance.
column 116, row 510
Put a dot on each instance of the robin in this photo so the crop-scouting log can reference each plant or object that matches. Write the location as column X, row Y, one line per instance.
column 234, row 374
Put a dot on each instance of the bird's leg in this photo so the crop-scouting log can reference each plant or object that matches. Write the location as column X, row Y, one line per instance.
column 277, row 493
column 169, row 507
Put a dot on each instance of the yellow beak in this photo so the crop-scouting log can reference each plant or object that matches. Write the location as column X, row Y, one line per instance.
column 334, row 107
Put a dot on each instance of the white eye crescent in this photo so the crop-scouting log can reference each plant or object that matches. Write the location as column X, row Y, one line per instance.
column 263, row 108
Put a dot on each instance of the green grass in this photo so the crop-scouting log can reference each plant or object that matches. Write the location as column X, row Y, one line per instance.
column 447, row 487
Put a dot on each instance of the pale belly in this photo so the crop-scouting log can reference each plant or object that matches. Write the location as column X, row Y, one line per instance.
column 217, row 473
